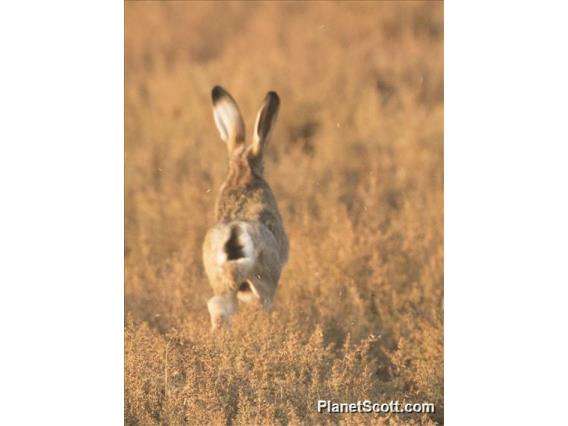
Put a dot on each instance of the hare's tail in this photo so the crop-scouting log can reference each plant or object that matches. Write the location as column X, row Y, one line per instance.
column 236, row 256
column 239, row 246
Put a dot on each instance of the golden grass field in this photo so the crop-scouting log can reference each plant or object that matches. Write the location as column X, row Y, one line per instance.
column 356, row 164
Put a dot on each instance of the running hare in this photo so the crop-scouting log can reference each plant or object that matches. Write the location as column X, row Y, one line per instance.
column 245, row 251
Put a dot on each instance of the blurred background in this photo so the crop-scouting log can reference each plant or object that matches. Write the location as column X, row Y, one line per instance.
column 356, row 164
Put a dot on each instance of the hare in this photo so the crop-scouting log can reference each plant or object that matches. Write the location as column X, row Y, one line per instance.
column 245, row 251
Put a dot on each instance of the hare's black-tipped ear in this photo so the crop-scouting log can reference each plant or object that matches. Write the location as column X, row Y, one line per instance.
column 228, row 118
column 265, row 121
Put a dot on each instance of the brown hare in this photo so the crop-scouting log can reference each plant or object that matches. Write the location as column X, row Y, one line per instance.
column 245, row 251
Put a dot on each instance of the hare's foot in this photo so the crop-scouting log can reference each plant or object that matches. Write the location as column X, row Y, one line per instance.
column 267, row 305
column 220, row 309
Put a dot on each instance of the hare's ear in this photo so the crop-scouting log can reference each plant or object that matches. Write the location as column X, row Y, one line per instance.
column 228, row 118
column 265, row 121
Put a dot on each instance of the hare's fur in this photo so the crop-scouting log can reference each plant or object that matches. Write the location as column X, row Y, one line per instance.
column 245, row 251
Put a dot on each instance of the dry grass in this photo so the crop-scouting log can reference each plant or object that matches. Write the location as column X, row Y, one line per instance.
column 356, row 163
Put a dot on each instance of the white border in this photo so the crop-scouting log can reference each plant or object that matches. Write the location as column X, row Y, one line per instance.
column 506, row 212
column 61, row 223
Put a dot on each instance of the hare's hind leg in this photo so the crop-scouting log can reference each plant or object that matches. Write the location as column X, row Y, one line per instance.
column 254, row 290
column 221, row 307
column 267, row 305
column 264, row 293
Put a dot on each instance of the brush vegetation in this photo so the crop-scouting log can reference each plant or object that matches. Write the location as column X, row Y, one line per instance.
column 356, row 164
